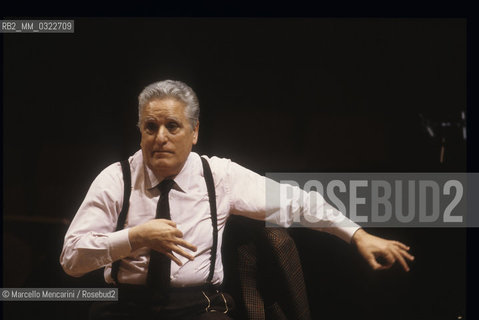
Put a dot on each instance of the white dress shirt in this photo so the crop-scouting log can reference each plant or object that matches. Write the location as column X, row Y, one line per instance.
column 91, row 241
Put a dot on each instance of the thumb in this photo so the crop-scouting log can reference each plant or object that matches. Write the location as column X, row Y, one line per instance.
column 373, row 263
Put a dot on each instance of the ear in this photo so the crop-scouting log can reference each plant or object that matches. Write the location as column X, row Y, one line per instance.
column 195, row 133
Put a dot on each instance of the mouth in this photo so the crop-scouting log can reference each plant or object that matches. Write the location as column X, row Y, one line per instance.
column 161, row 152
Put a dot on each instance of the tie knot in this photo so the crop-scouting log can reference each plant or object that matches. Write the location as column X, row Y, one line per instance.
column 166, row 185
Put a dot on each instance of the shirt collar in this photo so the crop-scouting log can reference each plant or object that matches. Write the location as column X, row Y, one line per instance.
column 182, row 179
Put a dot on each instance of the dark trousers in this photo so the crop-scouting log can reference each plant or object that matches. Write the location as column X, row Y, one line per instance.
column 138, row 302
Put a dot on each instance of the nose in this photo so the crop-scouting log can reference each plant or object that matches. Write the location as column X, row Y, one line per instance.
column 162, row 135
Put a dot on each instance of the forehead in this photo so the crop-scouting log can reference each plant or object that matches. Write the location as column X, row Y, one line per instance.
column 165, row 107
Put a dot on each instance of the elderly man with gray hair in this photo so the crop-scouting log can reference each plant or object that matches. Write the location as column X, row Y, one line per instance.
column 155, row 221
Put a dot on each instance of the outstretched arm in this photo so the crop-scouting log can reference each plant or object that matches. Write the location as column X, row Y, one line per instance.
column 248, row 189
column 381, row 253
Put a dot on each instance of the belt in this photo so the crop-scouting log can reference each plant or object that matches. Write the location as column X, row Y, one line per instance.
column 147, row 294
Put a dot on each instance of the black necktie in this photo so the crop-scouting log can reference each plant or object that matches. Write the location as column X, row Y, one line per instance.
column 159, row 268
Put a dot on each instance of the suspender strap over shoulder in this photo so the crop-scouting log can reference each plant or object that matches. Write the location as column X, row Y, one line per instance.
column 125, row 168
column 210, row 185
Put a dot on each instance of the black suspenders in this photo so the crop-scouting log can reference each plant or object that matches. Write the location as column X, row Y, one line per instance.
column 125, row 167
column 210, row 185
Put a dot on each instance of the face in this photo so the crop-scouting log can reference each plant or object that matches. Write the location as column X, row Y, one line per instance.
column 166, row 136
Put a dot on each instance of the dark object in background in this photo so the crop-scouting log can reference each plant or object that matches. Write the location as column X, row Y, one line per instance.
column 263, row 271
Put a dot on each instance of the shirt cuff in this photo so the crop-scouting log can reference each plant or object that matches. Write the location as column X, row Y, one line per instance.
column 344, row 233
column 119, row 244
column 347, row 233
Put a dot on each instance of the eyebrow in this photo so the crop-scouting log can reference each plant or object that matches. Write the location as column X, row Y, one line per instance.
column 168, row 118
column 148, row 119
column 173, row 118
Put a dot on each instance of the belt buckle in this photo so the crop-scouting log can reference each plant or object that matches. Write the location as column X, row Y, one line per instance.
column 209, row 309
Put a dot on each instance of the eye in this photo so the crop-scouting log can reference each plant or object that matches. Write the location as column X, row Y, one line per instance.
column 151, row 127
column 172, row 126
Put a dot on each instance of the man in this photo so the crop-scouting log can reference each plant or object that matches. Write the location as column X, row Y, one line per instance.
column 168, row 121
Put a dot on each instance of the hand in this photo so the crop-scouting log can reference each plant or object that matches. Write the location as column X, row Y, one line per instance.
column 388, row 251
column 163, row 236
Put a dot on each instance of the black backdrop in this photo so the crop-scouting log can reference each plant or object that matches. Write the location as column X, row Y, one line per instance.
column 330, row 95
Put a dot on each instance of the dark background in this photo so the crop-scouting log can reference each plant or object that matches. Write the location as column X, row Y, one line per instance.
column 277, row 94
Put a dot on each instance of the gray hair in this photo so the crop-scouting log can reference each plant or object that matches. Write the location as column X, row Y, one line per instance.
column 171, row 89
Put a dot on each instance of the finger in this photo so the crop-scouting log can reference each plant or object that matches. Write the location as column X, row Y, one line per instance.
column 181, row 252
column 168, row 253
column 401, row 260
column 407, row 255
column 401, row 245
column 171, row 223
column 175, row 259
column 385, row 259
column 377, row 266
column 177, row 233
column 186, row 244
column 374, row 264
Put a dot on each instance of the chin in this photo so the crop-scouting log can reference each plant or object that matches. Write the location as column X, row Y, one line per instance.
column 161, row 164
column 163, row 167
